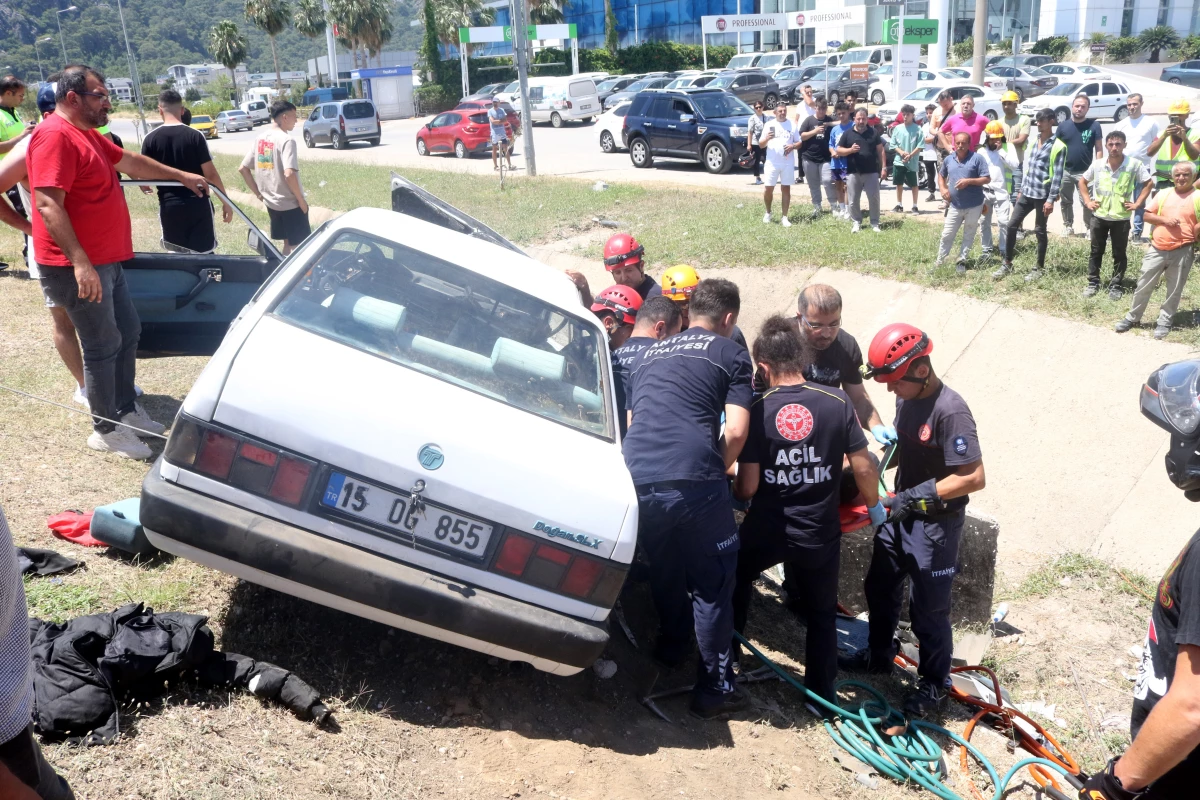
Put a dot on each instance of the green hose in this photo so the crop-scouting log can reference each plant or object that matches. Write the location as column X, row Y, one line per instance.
column 911, row 756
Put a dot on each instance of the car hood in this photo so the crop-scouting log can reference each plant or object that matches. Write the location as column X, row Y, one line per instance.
column 370, row 416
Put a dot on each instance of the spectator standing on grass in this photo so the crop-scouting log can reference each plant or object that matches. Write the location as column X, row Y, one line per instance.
column 961, row 180
column 814, row 154
column 837, row 162
column 1113, row 189
column 24, row 773
column 780, row 141
column 12, row 131
column 863, row 151
column 1041, row 182
column 1016, row 129
column 1172, row 249
column 944, row 111
column 804, row 110
column 754, row 128
column 1140, row 132
column 187, row 220
column 1083, row 140
column 271, row 170
column 498, row 133
column 929, row 154
column 1003, row 165
column 82, row 234
column 966, row 121
column 908, row 141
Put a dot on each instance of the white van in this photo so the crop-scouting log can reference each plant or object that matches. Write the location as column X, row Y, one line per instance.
column 562, row 99
column 744, row 61
column 777, row 60
column 871, row 54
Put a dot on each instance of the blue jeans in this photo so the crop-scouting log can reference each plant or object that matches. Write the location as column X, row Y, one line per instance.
column 691, row 539
column 108, row 335
column 1139, row 216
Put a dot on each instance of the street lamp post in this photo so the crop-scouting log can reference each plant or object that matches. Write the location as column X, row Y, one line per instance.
column 41, row 72
column 134, row 78
column 58, row 19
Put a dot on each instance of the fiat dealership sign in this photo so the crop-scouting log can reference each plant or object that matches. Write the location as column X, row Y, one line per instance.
column 740, row 23
column 852, row 15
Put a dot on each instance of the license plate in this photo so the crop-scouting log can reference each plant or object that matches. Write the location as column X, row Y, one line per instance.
column 359, row 130
column 393, row 512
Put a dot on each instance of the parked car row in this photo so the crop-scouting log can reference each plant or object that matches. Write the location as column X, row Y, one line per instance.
column 1107, row 100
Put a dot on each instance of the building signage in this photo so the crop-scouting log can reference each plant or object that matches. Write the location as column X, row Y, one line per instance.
column 503, row 33
column 916, row 31
column 740, row 23
column 854, row 15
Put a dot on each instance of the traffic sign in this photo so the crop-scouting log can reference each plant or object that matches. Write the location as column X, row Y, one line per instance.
column 833, row 43
column 1099, row 47
column 916, row 31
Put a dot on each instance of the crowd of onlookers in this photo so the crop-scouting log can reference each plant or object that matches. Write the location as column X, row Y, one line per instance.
column 992, row 174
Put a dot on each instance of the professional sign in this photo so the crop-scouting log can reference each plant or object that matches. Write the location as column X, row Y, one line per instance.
column 854, row 15
column 739, row 23
column 916, row 31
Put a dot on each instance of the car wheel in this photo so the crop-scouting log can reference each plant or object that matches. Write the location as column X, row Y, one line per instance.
column 556, row 120
column 834, row 97
column 991, row 115
column 460, row 149
column 1020, row 95
column 877, row 97
column 337, row 141
column 607, row 143
column 771, row 100
column 373, row 142
column 1061, row 115
column 1175, row 81
column 716, row 158
column 422, row 150
column 1122, row 113
column 308, row 141
column 639, row 153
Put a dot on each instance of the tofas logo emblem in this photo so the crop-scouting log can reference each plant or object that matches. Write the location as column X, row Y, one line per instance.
column 720, row 23
column 794, row 422
column 431, row 456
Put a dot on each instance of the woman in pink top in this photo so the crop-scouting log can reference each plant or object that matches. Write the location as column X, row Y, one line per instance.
column 966, row 121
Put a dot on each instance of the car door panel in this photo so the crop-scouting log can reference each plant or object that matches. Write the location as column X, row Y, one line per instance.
column 679, row 137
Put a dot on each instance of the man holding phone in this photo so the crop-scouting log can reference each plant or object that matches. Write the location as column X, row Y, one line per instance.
column 780, row 141
column 1173, row 145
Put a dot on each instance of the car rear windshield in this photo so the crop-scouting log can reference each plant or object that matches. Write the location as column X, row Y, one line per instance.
column 455, row 325
column 237, row 113
column 358, row 110
column 479, row 119
column 713, row 105
column 582, row 89
column 256, row 106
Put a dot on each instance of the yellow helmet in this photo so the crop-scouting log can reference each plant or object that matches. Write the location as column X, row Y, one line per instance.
column 1010, row 97
column 994, row 130
column 679, row 282
column 1180, row 106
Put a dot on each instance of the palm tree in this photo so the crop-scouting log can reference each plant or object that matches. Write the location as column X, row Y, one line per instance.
column 271, row 17
column 309, row 18
column 454, row 14
column 228, row 46
column 351, row 18
column 1160, row 37
column 546, row 12
column 379, row 31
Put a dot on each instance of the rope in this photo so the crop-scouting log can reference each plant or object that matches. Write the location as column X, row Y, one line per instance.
column 88, row 414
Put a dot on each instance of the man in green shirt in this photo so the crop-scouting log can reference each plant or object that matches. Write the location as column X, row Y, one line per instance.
column 907, row 141
column 12, row 130
column 1112, row 189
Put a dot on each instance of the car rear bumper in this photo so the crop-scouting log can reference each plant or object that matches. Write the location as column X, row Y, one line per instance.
column 298, row 562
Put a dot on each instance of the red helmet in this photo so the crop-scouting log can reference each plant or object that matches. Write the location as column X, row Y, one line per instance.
column 622, row 250
column 624, row 300
column 893, row 350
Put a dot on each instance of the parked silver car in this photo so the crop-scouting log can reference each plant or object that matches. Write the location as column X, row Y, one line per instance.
column 342, row 122
column 236, row 120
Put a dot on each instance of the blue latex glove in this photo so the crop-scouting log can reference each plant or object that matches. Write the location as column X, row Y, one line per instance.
column 878, row 514
column 884, row 434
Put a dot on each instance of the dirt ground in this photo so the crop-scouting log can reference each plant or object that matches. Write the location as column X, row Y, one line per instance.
column 417, row 718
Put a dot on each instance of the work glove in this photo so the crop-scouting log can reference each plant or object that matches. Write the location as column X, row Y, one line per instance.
column 1104, row 785
column 921, row 498
column 878, row 514
column 884, row 434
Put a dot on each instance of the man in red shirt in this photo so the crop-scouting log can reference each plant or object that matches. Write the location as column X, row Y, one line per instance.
column 81, row 234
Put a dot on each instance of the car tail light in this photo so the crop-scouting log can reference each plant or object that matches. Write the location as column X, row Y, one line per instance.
column 252, row 466
column 469, row 129
column 342, row 122
column 569, row 104
column 559, row 569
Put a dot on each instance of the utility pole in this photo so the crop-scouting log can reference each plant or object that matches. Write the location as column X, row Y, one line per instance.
column 330, row 48
column 133, row 74
column 520, row 37
column 980, row 40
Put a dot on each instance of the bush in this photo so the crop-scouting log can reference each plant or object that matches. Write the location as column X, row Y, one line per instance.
column 210, row 107
column 192, row 95
column 964, row 50
column 1057, row 47
column 1123, row 50
column 433, row 99
column 848, row 45
column 1187, row 50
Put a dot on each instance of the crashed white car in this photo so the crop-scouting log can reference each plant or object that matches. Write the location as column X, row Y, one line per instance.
column 411, row 421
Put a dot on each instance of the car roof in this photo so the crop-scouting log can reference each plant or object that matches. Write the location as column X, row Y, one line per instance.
column 512, row 268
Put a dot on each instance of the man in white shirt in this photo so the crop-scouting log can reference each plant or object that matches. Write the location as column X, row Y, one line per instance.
column 1139, row 132
column 780, row 141
column 1003, row 163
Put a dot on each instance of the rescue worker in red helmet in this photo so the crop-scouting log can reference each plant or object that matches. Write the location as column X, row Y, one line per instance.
column 940, row 464
column 617, row 308
column 623, row 257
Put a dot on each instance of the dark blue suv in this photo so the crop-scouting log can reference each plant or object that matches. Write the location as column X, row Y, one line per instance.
column 705, row 125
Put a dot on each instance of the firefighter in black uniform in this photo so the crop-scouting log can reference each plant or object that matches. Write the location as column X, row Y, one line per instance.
column 940, row 463
column 1163, row 763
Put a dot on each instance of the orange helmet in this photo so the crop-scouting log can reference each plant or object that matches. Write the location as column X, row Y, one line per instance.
column 622, row 300
column 994, row 130
column 622, row 250
column 893, row 350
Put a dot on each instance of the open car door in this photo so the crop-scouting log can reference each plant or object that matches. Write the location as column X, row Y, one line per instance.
column 186, row 301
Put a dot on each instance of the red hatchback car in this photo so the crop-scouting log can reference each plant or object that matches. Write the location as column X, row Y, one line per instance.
column 462, row 131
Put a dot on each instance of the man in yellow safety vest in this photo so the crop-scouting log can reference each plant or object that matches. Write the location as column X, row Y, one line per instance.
column 1113, row 189
column 1173, row 145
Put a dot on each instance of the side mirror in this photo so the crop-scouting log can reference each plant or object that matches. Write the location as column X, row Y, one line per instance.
column 687, row 117
column 256, row 244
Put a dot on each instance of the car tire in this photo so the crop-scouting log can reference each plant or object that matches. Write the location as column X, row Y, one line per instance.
column 556, row 120
column 771, row 100
column 422, row 148
column 716, row 158
column 991, row 115
column 308, row 140
column 1122, row 113
column 1061, row 115
column 373, row 142
column 1175, row 81
column 337, row 141
column 877, row 97
column 834, row 97
column 639, row 152
column 607, row 143
column 460, row 149
column 1020, row 95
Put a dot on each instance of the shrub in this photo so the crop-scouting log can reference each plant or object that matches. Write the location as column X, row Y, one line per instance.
column 1056, row 47
column 964, row 50
column 433, row 99
column 1123, row 50
column 1187, row 50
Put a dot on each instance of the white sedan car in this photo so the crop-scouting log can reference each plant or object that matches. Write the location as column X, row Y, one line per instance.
column 987, row 102
column 1074, row 71
column 1107, row 100
column 990, row 79
column 411, row 422
column 610, row 129
column 881, row 89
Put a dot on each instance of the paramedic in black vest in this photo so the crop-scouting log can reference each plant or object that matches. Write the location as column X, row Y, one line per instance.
column 800, row 434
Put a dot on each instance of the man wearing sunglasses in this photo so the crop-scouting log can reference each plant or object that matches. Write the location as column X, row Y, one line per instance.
column 81, row 235
column 940, row 464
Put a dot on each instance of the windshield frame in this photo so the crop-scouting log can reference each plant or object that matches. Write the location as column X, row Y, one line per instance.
column 1070, row 88
column 775, row 60
column 701, row 99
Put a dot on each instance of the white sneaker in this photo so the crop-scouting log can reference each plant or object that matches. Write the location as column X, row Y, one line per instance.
column 855, row 227
column 80, row 398
column 876, row 229
column 138, row 418
column 787, row 223
column 120, row 442
column 1068, row 231
column 767, row 218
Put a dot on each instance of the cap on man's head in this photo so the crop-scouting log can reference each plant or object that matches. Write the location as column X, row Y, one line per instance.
column 45, row 99
column 495, row 99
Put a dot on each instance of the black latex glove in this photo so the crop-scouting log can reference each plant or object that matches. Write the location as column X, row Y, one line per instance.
column 921, row 498
column 1104, row 785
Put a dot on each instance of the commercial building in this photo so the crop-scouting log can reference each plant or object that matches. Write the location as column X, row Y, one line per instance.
column 198, row 76
column 318, row 68
column 120, row 88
